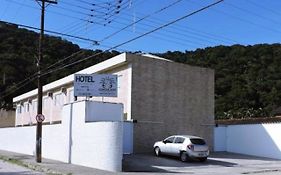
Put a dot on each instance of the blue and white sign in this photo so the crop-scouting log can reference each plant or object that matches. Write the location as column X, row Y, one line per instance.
column 99, row 85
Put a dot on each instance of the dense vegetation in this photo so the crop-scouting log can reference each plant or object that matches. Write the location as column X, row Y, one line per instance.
column 18, row 58
column 248, row 78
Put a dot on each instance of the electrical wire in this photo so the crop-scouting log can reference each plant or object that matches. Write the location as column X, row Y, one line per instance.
column 253, row 13
column 245, row 20
column 53, row 32
column 263, row 7
column 169, row 34
column 121, row 44
column 192, row 32
column 34, row 76
column 158, row 37
column 140, row 36
column 141, row 19
column 199, row 35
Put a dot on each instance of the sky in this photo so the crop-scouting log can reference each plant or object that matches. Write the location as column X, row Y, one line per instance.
column 112, row 22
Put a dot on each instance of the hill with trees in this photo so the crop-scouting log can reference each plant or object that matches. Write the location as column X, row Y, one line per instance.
column 248, row 78
column 18, row 59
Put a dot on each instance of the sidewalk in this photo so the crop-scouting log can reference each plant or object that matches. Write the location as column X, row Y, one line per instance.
column 50, row 166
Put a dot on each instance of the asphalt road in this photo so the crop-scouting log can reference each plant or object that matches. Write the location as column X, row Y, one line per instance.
column 147, row 164
column 12, row 169
column 217, row 164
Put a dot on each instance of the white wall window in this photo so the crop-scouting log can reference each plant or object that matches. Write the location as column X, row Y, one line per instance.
column 45, row 102
column 34, row 105
column 26, row 107
column 21, row 108
column 18, row 109
column 119, row 79
column 59, row 99
column 71, row 95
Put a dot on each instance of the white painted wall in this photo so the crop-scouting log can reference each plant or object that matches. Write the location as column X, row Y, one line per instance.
column 95, row 111
column 220, row 139
column 54, row 142
column 20, row 140
column 258, row 139
column 94, row 144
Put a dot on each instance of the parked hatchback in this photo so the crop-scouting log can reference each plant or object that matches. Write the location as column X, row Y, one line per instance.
column 184, row 146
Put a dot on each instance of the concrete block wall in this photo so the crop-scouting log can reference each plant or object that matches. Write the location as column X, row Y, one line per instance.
column 170, row 98
column 254, row 139
column 7, row 118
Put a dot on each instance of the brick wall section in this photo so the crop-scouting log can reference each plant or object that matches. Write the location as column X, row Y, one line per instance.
column 170, row 98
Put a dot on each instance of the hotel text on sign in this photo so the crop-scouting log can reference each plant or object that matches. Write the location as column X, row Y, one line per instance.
column 100, row 85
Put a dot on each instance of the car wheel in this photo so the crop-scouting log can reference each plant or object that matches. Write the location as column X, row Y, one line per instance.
column 157, row 151
column 202, row 159
column 183, row 156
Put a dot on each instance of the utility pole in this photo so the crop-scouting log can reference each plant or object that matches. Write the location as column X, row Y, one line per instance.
column 40, row 117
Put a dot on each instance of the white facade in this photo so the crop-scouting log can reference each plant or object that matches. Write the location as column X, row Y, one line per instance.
column 96, row 143
column 253, row 139
column 60, row 92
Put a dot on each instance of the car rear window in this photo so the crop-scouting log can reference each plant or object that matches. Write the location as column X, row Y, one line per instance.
column 198, row 141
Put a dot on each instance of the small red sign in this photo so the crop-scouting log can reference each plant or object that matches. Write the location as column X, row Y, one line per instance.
column 40, row 118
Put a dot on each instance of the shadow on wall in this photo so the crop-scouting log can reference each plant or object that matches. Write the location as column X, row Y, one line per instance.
column 254, row 139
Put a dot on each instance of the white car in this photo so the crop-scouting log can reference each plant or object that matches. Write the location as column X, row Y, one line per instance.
column 185, row 146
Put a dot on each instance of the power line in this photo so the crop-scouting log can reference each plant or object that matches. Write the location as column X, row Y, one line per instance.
column 139, row 20
column 53, row 32
column 263, row 7
column 196, row 32
column 135, row 38
column 54, row 12
column 174, row 32
column 34, row 76
column 100, row 23
column 75, row 5
column 252, row 13
column 246, row 21
column 199, row 35
column 29, row 79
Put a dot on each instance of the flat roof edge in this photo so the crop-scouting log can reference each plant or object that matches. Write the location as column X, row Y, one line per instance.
column 107, row 64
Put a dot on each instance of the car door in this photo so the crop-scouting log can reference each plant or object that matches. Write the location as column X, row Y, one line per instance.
column 176, row 146
column 166, row 147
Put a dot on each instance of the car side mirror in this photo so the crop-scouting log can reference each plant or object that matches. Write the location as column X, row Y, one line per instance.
column 164, row 141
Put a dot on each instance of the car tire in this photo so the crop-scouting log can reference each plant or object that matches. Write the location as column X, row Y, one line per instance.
column 183, row 156
column 157, row 151
column 203, row 159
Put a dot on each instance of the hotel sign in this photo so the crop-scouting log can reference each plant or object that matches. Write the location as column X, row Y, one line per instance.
column 99, row 85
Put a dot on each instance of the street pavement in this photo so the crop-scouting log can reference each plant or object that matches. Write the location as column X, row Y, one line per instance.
column 50, row 167
column 12, row 169
column 220, row 163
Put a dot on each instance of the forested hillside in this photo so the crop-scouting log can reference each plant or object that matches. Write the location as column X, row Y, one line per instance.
column 248, row 78
column 18, row 58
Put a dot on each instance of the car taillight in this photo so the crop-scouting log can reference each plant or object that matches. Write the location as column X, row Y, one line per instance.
column 191, row 147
